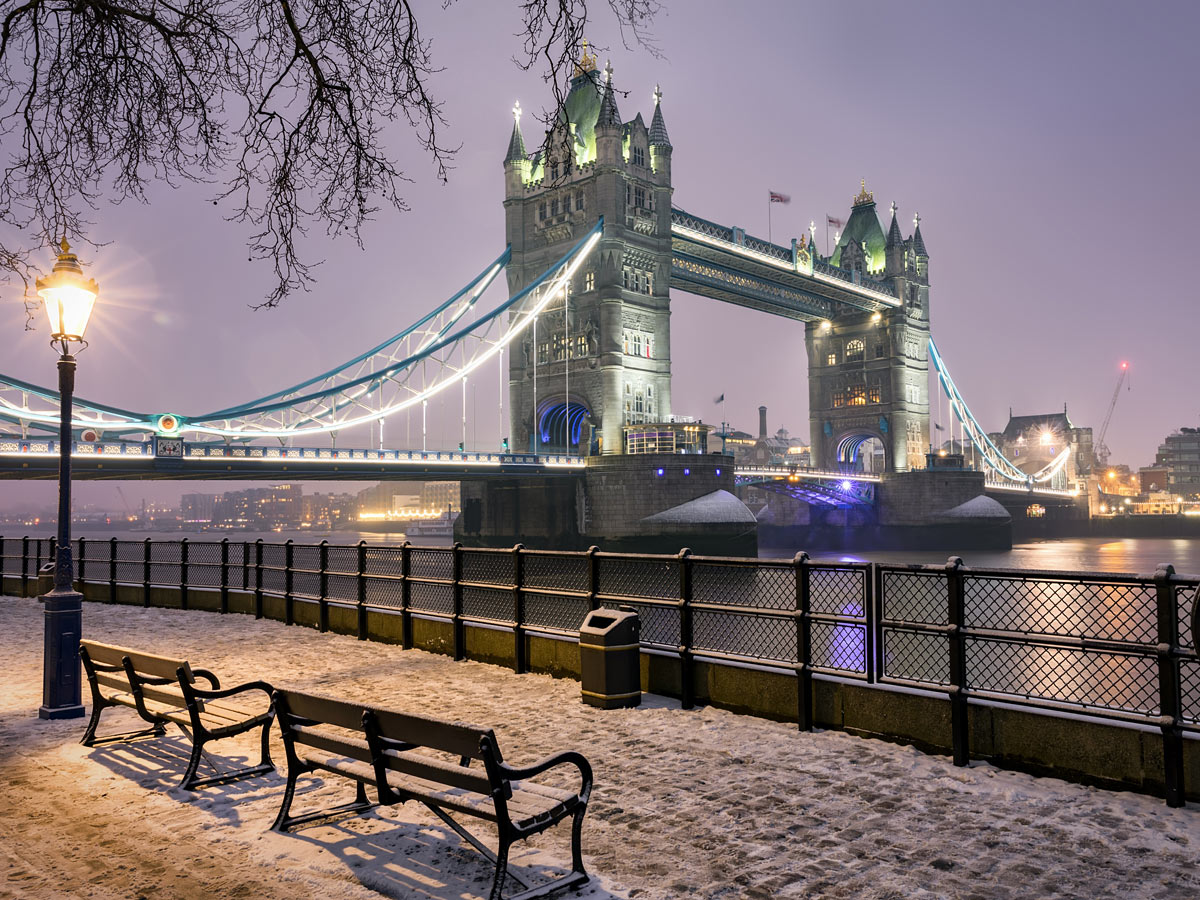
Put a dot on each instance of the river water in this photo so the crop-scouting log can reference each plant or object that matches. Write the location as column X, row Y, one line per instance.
column 1132, row 555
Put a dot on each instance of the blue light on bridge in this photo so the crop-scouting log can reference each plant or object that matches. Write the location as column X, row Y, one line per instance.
column 687, row 471
column 660, row 472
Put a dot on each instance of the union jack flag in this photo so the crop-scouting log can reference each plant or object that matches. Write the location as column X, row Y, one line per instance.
column 779, row 198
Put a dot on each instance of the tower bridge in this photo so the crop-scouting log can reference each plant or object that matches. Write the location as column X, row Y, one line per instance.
column 581, row 348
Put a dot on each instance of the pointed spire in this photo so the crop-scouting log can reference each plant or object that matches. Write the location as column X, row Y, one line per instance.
column 918, row 241
column 658, row 128
column 516, row 143
column 894, row 238
column 608, row 105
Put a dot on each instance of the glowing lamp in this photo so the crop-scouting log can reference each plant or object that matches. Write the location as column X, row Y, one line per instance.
column 68, row 296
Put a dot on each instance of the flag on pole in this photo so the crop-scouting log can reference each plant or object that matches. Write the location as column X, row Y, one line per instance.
column 836, row 223
column 938, row 426
column 776, row 197
column 720, row 399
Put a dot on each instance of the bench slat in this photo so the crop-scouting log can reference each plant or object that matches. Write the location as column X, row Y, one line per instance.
column 332, row 743
column 450, row 737
column 428, row 768
column 324, row 709
column 144, row 663
column 115, row 680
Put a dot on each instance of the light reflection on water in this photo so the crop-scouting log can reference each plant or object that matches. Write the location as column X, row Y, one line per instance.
column 1136, row 555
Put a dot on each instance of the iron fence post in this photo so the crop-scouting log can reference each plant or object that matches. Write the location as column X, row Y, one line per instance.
column 686, row 698
column 82, row 560
column 361, row 599
column 224, row 575
column 323, row 589
column 245, row 566
column 520, row 650
column 456, row 621
column 406, row 626
column 25, row 566
column 146, row 572
column 956, row 595
column 258, row 573
column 804, row 697
column 53, row 555
column 1169, row 699
column 289, row 602
column 112, row 570
column 593, row 576
column 183, row 574
column 873, row 609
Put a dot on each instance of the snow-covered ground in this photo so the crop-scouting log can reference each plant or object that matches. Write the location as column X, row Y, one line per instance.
column 687, row 803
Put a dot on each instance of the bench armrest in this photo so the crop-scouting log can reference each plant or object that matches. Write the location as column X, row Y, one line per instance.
column 229, row 692
column 570, row 757
column 208, row 676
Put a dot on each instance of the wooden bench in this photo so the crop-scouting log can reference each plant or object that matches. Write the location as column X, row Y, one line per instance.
column 163, row 690
column 408, row 757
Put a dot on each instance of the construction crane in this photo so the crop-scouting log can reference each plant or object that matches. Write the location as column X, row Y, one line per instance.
column 1102, row 448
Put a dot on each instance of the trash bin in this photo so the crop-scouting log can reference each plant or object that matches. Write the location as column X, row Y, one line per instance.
column 610, row 658
column 45, row 579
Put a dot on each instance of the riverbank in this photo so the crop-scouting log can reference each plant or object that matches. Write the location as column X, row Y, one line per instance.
column 700, row 803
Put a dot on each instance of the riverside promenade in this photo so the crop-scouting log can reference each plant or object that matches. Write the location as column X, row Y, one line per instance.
column 687, row 803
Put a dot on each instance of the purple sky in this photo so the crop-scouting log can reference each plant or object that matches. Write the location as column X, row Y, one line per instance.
column 1049, row 148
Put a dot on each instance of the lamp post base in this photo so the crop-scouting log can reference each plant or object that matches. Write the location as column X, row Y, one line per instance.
column 63, row 610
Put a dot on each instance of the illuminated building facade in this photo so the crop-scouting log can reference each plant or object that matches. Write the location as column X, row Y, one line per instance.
column 1033, row 442
column 1179, row 454
column 600, row 361
column 868, row 373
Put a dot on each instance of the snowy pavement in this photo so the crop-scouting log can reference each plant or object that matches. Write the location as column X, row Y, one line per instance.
column 696, row 803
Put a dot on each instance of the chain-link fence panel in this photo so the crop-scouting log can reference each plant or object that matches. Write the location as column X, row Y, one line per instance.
column 555, row 572
column 343, row 560
column 164, row 563
column 437, row 598
column 837, row 591
column 384, row 591
column 764, row 587
column 488, row 566
column 1189, row 690
column 632, row 577
column 920, row 597
column 768, row 638
column 437, row 563
column 913, row 656
column 659, row 624
column 1108, row 610
column 1185, row 601
column 1070, row 675
column 204, row 564
column 839, row 647
column 129, row 562
column 557, row 613
column 492, row 604
column 384, row 561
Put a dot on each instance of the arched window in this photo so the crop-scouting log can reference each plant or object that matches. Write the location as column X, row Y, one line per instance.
column 855, row 351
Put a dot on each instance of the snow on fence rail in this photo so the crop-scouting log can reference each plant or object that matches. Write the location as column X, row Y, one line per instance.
column 1113, row 646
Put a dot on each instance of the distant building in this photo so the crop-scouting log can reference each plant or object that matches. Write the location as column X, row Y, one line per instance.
column 1153, row 479
column 1033, row 442
column 197, row 508
column 441, row 495
column 277, row 506
column 1179, row 454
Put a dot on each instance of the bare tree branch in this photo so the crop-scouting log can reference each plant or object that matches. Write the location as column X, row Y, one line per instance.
column 101, row 98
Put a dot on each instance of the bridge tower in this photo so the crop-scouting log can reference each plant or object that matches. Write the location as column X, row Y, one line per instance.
column 602, row 359
column 868, row 373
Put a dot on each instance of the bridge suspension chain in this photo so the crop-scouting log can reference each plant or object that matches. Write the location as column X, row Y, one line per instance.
column 999, row 467
column 437, row 352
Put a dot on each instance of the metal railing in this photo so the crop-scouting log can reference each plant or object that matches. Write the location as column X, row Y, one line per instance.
column 1109, row 646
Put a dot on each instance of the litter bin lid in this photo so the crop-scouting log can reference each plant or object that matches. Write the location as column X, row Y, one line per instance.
column 602, row 624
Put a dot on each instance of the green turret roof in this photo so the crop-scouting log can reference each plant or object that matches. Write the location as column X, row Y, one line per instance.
column 580, row 111
column 863, row 225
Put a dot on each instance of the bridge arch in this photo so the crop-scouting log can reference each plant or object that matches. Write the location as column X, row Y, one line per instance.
column 563, row 425
column 854, row 450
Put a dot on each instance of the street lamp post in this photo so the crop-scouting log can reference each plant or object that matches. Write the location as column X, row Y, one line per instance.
column 69, row 299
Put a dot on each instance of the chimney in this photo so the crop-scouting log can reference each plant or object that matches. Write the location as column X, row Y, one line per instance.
column 762, row 423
